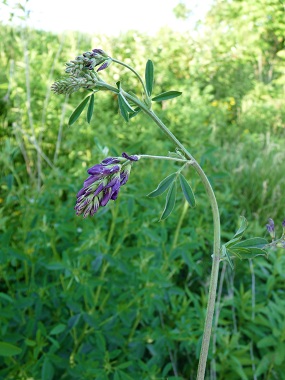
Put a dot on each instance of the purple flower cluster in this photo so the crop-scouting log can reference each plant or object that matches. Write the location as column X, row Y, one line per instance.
column 103, row 184
column 87, row 61
column 96, row 57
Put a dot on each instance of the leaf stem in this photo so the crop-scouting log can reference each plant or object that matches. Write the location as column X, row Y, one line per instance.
column 134, row 71
column 165, row 158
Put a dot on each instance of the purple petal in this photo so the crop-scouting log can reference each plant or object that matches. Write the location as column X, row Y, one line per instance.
column 106, row 197
column 110, row 160
column 90, row 180
column 99, row 189
column 104, row 66
column 116, row 186
column 115, row 169
column 80, row 192
column 98, row 51
column 112, row 182
column 124, row 178
column 96, row 169
column 115, row 194
column 131, row 158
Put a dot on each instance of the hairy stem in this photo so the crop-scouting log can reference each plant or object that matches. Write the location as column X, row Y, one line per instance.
column 216, row 245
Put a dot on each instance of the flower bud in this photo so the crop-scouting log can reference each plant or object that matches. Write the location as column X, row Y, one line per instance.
column 270, row 228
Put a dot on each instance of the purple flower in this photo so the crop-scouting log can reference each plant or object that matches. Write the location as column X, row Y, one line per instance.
column 283, row 223
column 270, row 228
column 103, row 183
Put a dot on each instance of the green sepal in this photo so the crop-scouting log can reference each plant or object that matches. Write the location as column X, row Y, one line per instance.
column 163, row 185
column 90, row 109
column 78, row 110
column 187, row 191
column 149, row 76
column 170, row 201
column 166, row 95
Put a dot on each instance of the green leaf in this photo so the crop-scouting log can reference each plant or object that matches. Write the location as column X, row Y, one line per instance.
column 47, row 370
column 267, row 341
column 58, row 329
column 166, row 95
column 126, row 103
column 90, row 108
column 170, row 201
column 228, row 257
column 123, row 109
column 247, row 253
column 242, row 227
column 133, row 114
column 78, row 110
column 232, row 242
column 8, row 349
column 187, row 191
column 256, row 242
column 164, row 184
column 149, row 76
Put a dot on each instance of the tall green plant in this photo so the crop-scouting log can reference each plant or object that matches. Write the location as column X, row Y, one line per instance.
column 105, row 179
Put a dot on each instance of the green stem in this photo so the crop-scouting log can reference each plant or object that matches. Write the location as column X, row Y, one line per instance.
column 216, row 222
column 134, row 71
column 164, row 158
column 216, row 245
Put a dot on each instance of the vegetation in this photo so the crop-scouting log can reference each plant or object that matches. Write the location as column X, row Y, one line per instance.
column 119, row 295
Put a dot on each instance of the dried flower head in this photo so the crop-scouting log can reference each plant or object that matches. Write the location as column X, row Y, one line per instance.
column 103, row 184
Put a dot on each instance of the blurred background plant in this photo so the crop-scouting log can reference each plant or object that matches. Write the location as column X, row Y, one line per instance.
column 100, row 298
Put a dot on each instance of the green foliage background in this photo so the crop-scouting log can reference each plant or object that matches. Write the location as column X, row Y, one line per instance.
column 121, row 296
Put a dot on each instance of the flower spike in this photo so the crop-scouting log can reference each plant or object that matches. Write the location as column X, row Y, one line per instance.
column 103, row 184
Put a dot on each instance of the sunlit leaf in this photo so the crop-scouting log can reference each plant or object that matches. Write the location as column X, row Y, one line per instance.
column 78, row 110
column 166, row 95
column 90, row 108
column 149, row 76
column 163, row 185
column 187, row 191
column 170, row 201
column 123, row 108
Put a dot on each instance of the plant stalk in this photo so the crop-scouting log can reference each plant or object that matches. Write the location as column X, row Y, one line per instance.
column 216, row 221
column 216, row 246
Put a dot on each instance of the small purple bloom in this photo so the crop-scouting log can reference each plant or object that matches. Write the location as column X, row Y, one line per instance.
column 283, row 223
column 104, row 66
column 103, row 184
column 99, row 51
column 270, row 228
column 130, row 158
column 110, row 160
